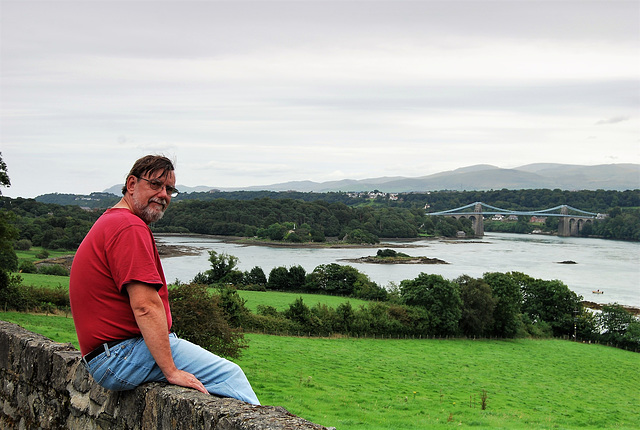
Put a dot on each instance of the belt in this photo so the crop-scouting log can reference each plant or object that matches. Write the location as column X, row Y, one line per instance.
column 105, row 347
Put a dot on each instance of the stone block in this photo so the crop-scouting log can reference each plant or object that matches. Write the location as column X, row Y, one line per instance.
column 64, row 363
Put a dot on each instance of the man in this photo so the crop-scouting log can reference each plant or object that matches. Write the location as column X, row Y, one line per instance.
column 119, row 298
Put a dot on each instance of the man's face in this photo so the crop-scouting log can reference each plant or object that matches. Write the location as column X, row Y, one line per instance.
column 150, row 204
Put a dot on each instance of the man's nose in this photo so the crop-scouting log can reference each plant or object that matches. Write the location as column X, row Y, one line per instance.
column 162, row 192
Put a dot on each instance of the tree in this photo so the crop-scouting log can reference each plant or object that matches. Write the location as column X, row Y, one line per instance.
column 278, row 279
column 614, row 320
column 345, row 316
column 8, row 234
column 222, row 265
column 549, row 301
column 631, row 338
column 334, row 279
column 300, row 313
column 506, row 316
column 360, row 236
column 297, row 277
column 255, row 277
column 441, row 299
column 478, row 305
column 4, row 174
column 445, row 227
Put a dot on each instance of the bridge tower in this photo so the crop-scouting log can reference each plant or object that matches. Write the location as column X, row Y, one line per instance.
column 564, row 224
column 478, row 223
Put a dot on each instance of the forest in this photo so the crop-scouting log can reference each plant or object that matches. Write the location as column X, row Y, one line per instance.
column 315, row 217
column 434, row 201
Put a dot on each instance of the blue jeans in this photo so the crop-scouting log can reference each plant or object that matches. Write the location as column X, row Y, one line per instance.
column 129, row 364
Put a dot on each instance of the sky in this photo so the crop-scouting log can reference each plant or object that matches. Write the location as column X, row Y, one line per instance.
column 243, row 93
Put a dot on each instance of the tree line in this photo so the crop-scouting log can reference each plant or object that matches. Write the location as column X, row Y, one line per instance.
column 210, row 312
column 525, row 199
column 54, row 226
column 50, row 226
column 498, row 305
column 300, row 221
column 304, row 221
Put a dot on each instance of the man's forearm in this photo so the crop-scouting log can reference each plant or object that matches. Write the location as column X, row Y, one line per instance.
column 154, row 329
column 151, row 318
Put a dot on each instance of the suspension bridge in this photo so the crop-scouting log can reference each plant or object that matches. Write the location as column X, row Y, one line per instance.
column 570, row 223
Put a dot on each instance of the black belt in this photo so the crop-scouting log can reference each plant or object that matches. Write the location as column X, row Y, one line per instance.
column 102, row 348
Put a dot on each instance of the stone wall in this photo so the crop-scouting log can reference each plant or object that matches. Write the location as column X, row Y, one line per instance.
column 43, row 384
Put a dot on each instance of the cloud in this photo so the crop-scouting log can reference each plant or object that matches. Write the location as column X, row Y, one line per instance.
column 613, row 120
column 248, row 92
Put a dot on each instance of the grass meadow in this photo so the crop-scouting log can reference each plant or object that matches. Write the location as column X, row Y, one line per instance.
column 49, row 281
column 36, row 279
column 282, row 300
column 419, row 384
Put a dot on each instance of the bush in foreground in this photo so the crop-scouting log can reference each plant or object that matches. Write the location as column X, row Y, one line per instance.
column 199, row 318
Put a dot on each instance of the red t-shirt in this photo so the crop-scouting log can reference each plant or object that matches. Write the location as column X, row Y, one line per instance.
column 118, row 250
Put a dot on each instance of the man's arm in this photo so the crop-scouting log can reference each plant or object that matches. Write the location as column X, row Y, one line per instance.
column 151, row 319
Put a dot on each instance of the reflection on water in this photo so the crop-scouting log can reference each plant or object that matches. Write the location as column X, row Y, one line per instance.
column 609, row 266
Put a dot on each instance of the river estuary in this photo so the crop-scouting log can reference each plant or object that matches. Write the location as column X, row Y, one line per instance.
column 605, row 265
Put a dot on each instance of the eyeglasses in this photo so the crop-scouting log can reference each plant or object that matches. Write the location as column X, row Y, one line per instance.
column 157, row 185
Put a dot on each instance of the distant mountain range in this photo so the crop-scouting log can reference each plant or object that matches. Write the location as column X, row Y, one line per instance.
column 480, row 177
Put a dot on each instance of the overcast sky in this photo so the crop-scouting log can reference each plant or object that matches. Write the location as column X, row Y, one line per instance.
column 251, row 93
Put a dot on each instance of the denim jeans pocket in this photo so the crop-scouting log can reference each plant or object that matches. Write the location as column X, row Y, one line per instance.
column 105, row 368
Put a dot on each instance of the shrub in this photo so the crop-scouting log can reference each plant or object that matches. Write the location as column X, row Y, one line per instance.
column 54, row 269
column 292, row 237
column 12, row 296
column 271, row 324
column 267, row 310
column 43, row 297
column 361, row 236
column 232, row 305
column 23, row 245
column 42, row 254
column 27, row 267
column 199, row 318
column 201, row 278
column 383, row 253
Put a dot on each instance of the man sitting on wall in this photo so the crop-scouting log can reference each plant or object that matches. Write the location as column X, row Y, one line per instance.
column 119, row 298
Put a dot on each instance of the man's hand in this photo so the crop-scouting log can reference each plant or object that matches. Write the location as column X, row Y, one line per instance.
column 186, row 379
column 152, row 320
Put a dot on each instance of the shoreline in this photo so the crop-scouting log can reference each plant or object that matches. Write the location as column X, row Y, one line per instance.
column 331, row 243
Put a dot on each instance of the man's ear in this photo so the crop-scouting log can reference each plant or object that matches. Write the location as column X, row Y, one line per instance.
column 131, row 183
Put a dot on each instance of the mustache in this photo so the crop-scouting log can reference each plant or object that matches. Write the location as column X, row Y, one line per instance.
column 159, row 201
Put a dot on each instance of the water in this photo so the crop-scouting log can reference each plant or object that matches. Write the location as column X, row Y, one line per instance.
column 609, row 266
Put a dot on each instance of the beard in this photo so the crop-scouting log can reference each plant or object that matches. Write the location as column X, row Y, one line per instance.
column 147, row 212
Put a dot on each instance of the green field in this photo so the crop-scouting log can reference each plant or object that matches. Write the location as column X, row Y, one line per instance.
column 282, row 300
column 40, row 280
column 30, row 255
column 48, row 281
column 55, row 327
column 418, row 384
column 279, row 300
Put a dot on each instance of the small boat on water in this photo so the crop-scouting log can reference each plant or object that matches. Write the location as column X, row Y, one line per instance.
column 597, row 292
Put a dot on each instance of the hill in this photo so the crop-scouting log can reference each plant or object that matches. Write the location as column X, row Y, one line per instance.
column 486, row 177
column 481, row 177
column 472, row 178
